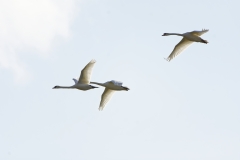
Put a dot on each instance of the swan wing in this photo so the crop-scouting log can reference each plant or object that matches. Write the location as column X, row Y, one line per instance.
column 86, row 73
column 106, row 96
column 199, row 33
column 183, row 44
column 117, row 83
column 76, row 81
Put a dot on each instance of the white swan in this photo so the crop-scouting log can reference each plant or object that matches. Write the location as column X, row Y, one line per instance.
column 188, row 38
column 84, row 79
column 110, row 87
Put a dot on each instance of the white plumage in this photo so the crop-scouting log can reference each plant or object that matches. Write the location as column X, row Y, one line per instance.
column 187, row 40
column 75, row 80
column 117, row 83
column 83, row 82
column 86, row 72
column 110, row 88
column 106, row 96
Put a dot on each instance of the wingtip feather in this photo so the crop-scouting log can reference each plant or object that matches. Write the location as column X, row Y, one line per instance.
column 100, row 108
column 205, row 29
column 93, row 61
column 167, row 59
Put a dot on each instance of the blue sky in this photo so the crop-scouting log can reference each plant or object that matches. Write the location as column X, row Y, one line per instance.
column 184, row 109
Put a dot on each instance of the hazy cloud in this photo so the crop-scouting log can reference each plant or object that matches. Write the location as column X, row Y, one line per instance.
column 31, row 24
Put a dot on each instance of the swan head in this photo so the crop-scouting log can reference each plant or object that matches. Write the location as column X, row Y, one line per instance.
column 55, row 87
column 125, row 88
column 165, row 34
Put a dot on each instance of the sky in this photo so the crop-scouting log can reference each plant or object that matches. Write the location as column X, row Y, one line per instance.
column 185, row 109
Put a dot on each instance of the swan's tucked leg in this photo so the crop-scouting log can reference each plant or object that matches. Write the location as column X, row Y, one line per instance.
column 204, row 41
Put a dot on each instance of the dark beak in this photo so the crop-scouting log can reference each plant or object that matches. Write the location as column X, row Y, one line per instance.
column 94, row 87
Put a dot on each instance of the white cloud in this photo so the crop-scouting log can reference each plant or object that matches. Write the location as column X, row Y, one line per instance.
column 31, row 24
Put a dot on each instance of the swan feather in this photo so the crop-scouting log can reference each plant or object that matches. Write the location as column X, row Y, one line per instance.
column 183, row 44
column 199, row 33
column 106, row 96
column 86, row 73
column 76, row 81
column 117, row 83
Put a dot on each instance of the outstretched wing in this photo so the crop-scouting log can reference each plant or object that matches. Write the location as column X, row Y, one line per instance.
column 106, row 96
column 76, row 81
column 86, row 73
column 183, row 44
column 199, row 33
column 117, row 83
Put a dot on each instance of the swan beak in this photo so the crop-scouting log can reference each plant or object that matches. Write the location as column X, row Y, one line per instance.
column 55, row 87
column 94, row 87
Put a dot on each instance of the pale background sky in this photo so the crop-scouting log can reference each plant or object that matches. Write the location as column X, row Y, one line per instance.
column 187, row 109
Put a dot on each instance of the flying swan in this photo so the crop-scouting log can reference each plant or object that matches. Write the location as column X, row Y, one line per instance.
column 83, row 82
column 188, row 38
column 110, row 87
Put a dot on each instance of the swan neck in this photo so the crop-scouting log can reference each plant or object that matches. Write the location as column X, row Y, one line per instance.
column 177, row 34
column 100, row 84
column 66, row 87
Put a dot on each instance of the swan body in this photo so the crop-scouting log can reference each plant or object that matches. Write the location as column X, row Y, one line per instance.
column 110, row 88
column 187, row 40
column 84, row 79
